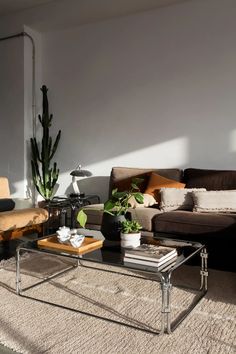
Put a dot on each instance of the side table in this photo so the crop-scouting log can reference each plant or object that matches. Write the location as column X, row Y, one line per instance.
column 62, row 210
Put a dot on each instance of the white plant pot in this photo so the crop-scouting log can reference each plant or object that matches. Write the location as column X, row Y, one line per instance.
column 130, row 240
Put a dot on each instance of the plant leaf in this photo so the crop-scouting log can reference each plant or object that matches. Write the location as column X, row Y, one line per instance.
column 138, row 197
column 137, row 180
column 119, row 195
column 109, row 205
column 82, row 218
column 114, row 191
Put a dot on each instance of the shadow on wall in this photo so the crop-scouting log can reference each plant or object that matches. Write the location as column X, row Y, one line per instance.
column 98, row 185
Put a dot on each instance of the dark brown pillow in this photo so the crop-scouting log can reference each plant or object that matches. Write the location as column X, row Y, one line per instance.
column 6, row 204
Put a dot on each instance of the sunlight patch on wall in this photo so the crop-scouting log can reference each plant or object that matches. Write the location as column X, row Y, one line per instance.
column 169, row 154
column 17, row 189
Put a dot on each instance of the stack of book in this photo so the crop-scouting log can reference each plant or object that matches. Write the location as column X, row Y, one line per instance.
column 150, row 257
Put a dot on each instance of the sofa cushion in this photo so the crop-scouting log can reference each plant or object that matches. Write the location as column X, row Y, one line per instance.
column 210, row 179
column 6, row 204
column 15, row 219
column 94, row 213
column 143, row 215
column 156, row 182
column 121, row 177
column 177, row 199
column 148, row 200
column 215, row 201
column 189, row 223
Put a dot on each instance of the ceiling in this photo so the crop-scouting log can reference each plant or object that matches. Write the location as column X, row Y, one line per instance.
column 10, row 6
column 110, row 7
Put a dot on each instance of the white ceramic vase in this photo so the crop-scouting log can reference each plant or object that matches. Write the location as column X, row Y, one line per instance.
column 130, row 240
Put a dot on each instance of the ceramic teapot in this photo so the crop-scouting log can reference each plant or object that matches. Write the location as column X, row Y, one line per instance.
column 63, row 234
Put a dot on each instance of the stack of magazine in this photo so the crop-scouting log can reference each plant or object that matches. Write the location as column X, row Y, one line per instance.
column 150, row 257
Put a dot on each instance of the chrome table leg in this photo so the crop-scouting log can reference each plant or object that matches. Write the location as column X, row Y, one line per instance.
column 166, row 307
column 18, row 276
column 204, row 271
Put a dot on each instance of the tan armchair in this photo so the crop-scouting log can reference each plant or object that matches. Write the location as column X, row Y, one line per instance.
column 19, row 222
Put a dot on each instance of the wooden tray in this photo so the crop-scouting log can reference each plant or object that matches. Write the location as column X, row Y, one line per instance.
column 89, row 244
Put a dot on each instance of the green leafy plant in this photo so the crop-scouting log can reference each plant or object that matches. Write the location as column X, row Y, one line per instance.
column 118, row 204
column 44, row 176
column 130, row 227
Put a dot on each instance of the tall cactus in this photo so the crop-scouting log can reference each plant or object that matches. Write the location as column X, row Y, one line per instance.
column 44, row 176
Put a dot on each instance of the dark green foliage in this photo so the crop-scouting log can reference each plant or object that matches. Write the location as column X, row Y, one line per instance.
column 44, row 176
column 118, row 204
column 130, row 226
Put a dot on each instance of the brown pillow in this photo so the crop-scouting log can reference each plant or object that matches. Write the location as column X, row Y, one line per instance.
column 156, row 182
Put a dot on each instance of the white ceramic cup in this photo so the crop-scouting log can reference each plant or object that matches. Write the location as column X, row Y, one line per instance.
column 63, row 234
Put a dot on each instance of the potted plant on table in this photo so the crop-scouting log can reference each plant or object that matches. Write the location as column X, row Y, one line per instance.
column 115, row 210
column 130, row 233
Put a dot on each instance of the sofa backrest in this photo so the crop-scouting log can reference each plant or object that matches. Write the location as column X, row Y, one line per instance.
column 121, row 177
column 4, row 188
column 210, row 179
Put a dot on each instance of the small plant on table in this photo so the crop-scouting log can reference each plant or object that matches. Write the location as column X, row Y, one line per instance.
column 130, row 227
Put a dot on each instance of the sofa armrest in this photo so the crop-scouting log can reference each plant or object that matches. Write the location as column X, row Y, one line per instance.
column 15, row 219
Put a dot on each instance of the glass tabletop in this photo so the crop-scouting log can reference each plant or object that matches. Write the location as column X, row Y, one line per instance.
column 111, row 253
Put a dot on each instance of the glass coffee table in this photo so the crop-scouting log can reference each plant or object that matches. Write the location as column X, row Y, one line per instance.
column 110, row 253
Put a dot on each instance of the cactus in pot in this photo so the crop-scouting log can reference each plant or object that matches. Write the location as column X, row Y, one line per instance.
column 44, row 175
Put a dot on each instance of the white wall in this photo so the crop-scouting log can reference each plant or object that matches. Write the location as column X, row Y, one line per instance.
column 152, row 89
column 12, row 113
column 155, row 89
column 16, row 105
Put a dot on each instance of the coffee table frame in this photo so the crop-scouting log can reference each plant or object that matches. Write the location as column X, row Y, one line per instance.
column 165, row 279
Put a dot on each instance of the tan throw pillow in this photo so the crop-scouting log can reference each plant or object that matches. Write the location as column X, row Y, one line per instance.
column 156, row 182
column 177, row 199
column 148, row 200
column 215, row 201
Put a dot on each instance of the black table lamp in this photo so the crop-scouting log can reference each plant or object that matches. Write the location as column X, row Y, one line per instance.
column 76, row 174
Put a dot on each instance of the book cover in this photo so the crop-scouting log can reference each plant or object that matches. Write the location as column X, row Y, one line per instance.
column 150, row 262
column 162, row 268
column 151, row 252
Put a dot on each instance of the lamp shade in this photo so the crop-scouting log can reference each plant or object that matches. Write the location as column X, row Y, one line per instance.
column 80, row 173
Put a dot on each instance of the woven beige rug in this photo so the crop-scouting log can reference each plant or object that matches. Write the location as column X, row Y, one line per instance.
column 31, row 326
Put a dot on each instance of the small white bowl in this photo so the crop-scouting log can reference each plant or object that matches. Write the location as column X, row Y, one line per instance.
column 76, row 240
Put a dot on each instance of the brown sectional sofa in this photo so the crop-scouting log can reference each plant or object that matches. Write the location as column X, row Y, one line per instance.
column 216, row 230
